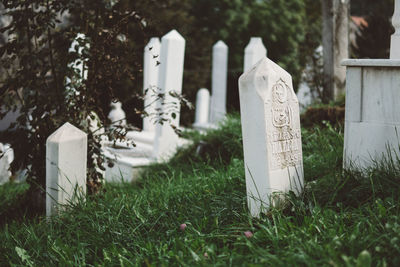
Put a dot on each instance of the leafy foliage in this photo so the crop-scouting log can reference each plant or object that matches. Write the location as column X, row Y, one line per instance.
column 36, row 62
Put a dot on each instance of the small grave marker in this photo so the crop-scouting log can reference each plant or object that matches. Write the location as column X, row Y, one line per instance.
column 219, row 82
column 202, row 109
column 66, row 157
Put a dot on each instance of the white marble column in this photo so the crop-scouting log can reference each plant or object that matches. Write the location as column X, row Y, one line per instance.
column 170, row 81
column 150, row 80
column 219, row 82
column 202, row 109
column 253, row 52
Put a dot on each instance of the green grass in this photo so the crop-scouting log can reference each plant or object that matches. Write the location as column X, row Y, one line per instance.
column 342, row 219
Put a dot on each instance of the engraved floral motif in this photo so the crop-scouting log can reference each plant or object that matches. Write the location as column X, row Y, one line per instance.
column 284, row 137
column 281, row 111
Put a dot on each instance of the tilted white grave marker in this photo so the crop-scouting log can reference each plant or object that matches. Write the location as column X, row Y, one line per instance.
column 66, row 157
column 219, row 81
column 170, row 80
column 271, row 135
column 150, row 81
column 395, row 40
column 253, row 52
column 202, row 109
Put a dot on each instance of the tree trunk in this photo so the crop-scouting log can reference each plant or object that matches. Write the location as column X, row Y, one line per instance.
column 335, row 41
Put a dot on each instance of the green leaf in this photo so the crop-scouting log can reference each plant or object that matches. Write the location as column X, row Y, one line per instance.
column 23, row 255
column 364, row 259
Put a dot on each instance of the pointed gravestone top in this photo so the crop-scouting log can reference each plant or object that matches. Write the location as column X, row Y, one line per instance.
column 173, row 35
column 219, row 44
column 153, row 41
column 255, row 43
column 271, row 134
column 66, row 133
column 253, row 52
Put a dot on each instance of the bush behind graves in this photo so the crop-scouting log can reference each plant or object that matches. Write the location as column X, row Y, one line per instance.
column 36, row 58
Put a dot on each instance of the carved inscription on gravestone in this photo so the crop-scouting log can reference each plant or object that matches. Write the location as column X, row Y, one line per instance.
column 283, row 133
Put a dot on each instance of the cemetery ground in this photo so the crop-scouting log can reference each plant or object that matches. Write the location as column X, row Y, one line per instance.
column 193, row 211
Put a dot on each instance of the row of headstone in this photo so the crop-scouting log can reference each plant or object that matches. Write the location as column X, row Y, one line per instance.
column 207, row 118
column 163, row 67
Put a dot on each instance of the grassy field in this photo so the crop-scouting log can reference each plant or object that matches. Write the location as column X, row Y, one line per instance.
column 342, row 219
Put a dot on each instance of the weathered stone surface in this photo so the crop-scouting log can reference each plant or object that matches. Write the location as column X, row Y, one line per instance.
column 271, row 134
column 66, row 157
column 219, row 82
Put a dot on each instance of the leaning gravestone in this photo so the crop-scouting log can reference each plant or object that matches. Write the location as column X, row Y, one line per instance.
column 66, row 156
column 271, row 135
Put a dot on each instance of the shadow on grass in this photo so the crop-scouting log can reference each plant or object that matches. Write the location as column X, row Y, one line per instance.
column 16, row 203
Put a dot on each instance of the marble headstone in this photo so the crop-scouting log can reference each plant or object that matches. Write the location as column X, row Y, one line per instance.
column 66, row 157
column 219, row 81
column 271, row 135
column 253, row 52
column 169, row 82
column 202, row 109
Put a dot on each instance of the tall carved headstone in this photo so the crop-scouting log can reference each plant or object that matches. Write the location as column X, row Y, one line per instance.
column 66, row 157
column 150, row 81
column 271, row 135
column 170, row 82
column 253, row 52
column 219, row 82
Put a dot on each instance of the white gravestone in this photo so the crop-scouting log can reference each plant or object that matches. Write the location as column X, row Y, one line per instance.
column 150, row 81
column 66, row 157
column 6, row 158
column 219, row 81
column 395, row 40
column 202, row 109
column 253, row 52
column 271, row 135
column 117, row 115
column 170, row 80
